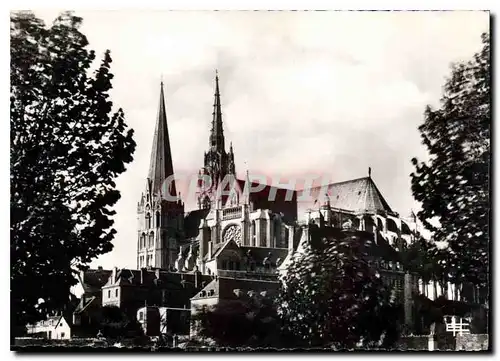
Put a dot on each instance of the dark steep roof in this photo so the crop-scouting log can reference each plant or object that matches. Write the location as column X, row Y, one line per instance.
column 282, row 203
column 215, row 248
column 353, row 195
column 192, row 222
column 152, row 277
column 224, row 288
column 93, row 279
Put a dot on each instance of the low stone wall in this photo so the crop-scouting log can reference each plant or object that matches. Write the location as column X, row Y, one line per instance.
column 444, row 342
column 472, row 342
column 22, row 342
column 409, row 343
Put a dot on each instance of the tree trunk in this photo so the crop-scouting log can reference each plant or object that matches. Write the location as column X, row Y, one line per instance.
column 434, row 285
column 445, row 289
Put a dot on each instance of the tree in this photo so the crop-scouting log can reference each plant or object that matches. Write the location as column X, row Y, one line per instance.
column 422, row 257
column 115, row 324
column 453, row 185
column 248, row 321
column 67, row 147
column 333, row 297
column 417, row 258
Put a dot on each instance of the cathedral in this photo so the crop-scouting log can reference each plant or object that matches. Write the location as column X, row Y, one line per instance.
column 240, row 234
column 228, row 214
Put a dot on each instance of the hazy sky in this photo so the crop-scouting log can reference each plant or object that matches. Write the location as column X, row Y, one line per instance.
column 302, row 92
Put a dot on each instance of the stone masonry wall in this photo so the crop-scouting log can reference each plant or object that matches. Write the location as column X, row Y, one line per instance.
column 472, row 342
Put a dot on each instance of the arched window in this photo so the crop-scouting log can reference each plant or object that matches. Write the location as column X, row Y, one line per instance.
column 252, row 234
column 158, row 219
column 148, row 220
column 369, row 224
column 263, row 232
column 143, row 241
column 392, row 226
column 277, row 233
column 151, row 239
column 405, row 229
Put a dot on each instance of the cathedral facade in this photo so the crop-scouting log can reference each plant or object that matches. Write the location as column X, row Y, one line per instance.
column 236, row 230
column 229, row 209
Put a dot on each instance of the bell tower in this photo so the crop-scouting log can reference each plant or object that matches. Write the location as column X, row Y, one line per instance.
column 160, row 211
column 217, row 163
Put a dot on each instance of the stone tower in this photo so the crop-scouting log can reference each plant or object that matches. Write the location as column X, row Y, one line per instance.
column 217, row 163
column 160, row 210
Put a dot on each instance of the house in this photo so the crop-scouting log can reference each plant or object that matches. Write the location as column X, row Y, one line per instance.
column 86, row 316
column 157, row 321
column 53, row 328
column 132, row 289
column 224, row 289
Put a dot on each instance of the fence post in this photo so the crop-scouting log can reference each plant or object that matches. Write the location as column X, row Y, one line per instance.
column 431, row 342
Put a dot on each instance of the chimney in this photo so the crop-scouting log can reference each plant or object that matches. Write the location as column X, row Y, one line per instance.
column 197, row 278
column 99, row 268
column 113, row 274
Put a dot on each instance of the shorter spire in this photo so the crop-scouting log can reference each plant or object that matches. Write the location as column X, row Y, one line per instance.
column 369, row 172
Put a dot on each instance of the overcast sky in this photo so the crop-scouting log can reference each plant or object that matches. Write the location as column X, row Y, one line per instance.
column 302, row 92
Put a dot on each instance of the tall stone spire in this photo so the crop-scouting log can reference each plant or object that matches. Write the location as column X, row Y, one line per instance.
column 161, row 166
column 217, row 163
column 217, row 133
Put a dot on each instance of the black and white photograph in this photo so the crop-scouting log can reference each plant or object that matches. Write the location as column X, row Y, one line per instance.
column 235, row 180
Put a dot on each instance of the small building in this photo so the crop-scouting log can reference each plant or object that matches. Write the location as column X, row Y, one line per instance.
column 53, row 328
column 223, row 289
column 149, row 319
column 157, row 321
column 132, row 289
column 87, row 315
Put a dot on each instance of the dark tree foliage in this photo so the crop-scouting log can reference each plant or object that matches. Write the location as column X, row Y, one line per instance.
column 115, row 324
column 249, row 321
column 418, row 258
column 332, row 297
column 67, row 147
column 433, row 311
column 422, row 257
column 453, row 185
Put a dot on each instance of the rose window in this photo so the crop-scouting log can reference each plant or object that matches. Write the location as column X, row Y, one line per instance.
column 233, row 232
